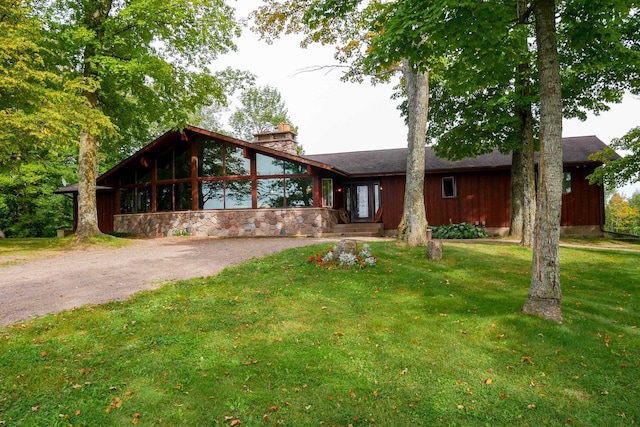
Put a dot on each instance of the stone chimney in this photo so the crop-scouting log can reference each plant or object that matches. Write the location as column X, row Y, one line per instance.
column 281, row 138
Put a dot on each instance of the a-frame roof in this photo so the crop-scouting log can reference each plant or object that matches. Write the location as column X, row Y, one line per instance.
column 174, row 137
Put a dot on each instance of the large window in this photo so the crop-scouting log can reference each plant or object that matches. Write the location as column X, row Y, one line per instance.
column 449, row 189
column 282, row 183
column 163, row 183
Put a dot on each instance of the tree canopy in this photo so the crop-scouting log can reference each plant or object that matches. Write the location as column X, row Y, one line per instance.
column 260, row 109
column 616, row 172
column 142, row 63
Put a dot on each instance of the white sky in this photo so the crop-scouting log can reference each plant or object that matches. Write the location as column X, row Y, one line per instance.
column 333, row 116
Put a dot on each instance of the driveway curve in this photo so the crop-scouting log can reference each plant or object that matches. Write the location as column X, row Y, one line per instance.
column 97, row 275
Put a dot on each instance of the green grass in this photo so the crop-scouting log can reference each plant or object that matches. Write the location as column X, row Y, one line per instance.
column 276, row 341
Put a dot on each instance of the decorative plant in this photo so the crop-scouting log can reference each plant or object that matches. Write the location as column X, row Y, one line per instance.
column 327, row 259
column 463, row 230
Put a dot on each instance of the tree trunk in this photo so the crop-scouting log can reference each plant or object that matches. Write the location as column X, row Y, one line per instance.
column 528, row 181
column 523, row 186
column 413, row 226
column 516, row 223
column 544, row 294
column 87, row 210
column 94, row 16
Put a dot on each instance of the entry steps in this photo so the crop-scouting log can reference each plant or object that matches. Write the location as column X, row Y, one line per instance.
column 362, row 229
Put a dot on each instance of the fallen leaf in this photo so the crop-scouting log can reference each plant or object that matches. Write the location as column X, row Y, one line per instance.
column 352, row 394
column 527, row 359
column 339, row 333
column 607, row 340
column 488, row 381
column 35, row 408
column 116, row 403
column 235, row 422
column 76, row 412
column 531, row 406
column 76, row 386
column 273, row 408
column 375, row 393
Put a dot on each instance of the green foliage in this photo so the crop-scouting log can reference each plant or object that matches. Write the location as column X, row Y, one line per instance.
column 410, row 342
column 39, row 106
column 262, row 108
column 463, row 230
column 617, row 171
column 28, row 207
column 149, row 61
column 622, row 215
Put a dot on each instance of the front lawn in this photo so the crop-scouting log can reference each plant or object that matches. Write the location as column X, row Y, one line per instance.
column 279, row 341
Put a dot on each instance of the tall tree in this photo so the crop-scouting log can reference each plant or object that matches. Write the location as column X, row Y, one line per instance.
column 261, row 108
column 141, row 63
column 545, row 295
column 372, row 39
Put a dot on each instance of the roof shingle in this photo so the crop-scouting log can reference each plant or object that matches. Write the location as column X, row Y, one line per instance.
column 576, row 150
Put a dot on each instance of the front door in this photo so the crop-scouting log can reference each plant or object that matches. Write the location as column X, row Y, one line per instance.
column 363, row 201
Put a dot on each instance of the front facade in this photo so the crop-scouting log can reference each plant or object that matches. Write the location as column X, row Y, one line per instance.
column 198, row 182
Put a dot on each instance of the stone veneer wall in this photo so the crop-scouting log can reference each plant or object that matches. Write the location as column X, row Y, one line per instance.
column 229, row 223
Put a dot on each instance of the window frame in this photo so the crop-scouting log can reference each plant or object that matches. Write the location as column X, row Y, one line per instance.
column 454, row 187
column 327, row 193
column 567, row 183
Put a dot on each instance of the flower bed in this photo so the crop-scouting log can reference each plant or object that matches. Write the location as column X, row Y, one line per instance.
column 327, row 259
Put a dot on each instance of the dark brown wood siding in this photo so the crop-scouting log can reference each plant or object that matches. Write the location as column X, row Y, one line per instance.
column 481, row 197
column 106, row 203
column 392, row 201
column 584, row 204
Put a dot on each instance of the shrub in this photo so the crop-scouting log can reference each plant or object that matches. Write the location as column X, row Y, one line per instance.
column 463, row 230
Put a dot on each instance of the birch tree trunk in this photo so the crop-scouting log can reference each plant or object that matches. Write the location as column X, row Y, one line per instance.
column 413, row 226
column 544, row 295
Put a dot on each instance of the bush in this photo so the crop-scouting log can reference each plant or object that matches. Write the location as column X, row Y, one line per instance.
column 463, row 230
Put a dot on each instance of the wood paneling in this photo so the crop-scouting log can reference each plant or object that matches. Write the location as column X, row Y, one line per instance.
column 584, row 204
column 392, row 201
column 481, row 196
column 106, row 203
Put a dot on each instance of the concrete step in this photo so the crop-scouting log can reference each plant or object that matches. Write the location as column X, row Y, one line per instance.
column 358, row 230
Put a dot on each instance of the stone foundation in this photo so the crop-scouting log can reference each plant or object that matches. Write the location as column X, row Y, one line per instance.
column 229, row 223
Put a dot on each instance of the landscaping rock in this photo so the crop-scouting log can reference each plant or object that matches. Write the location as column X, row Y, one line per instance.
column 346, row 246
column 434, row 250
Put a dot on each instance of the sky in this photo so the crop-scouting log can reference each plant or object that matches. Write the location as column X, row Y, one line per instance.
column 334, row 116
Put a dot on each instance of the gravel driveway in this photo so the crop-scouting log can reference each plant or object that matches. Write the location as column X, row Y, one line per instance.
column 97, row 275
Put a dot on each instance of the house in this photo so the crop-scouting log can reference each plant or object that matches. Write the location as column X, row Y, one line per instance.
column 199, row 182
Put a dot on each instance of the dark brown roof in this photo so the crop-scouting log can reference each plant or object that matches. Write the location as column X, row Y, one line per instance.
column 576, row 150
column 73, row 188
column 174, row 137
